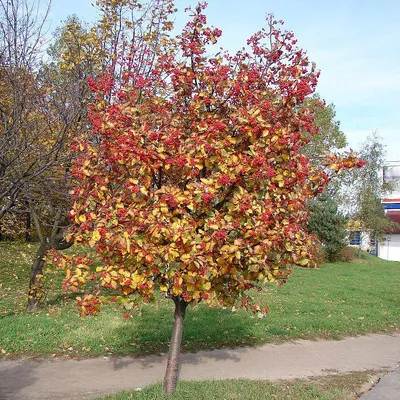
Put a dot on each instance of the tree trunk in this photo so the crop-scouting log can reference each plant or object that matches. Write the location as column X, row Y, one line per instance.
column 28, row 226
column 35, row 292
column 171, row 374
column 36, row 283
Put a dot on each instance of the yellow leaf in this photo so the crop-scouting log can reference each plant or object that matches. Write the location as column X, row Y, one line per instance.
column 114, row 284
column 96, row 236
column 303, row 261
column 185, row 257
column 128, row 242
column 136, row 278
column 289, row 247
column 189, row 287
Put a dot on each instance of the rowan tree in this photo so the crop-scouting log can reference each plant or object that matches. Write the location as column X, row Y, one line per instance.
column 196, row 184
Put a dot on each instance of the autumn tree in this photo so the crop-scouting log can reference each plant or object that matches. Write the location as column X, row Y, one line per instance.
column 196, row 184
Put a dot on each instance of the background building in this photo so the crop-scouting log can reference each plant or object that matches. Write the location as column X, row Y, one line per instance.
column 389, row 246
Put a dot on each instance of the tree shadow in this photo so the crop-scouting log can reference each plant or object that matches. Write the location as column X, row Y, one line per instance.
column 14, row 378
column 58, row 299
column 205, row 329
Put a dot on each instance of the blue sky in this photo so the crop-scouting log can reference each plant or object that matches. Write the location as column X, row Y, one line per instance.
column 355, row 44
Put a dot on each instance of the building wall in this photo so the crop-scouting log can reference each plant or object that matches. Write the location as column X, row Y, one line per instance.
column 391, row 174
column 389, row 248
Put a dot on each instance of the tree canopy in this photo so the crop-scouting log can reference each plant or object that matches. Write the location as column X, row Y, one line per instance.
column 194, row 181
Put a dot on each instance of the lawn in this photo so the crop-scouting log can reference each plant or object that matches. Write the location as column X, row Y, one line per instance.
column 334, row 387
column 333, row 301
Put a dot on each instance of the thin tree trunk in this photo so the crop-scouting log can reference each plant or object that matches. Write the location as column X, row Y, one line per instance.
column 171, row 374
column 36, row 283
column 35, row 292
column 28, row 225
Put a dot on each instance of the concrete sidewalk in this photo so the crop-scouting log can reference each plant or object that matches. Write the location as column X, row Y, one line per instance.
column 388, row 388
column 72, row 379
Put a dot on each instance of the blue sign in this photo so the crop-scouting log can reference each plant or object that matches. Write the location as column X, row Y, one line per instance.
column 391, row 206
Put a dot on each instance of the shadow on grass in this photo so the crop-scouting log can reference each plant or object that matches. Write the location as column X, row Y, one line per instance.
column 7, row 314
column 205, row 329
column 59, row 299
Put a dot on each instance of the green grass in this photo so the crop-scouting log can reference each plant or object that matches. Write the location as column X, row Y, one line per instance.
column 331, row 302
column 335, row 387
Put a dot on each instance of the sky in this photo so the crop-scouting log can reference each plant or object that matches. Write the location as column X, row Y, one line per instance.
column 355, row 44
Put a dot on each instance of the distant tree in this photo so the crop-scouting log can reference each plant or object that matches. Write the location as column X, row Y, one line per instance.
column 329, row 137
column 328, row 224
column 366, row 189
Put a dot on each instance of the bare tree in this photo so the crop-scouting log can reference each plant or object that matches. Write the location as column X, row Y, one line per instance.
column 40, row 111
column 43, row 105
column 31, row 141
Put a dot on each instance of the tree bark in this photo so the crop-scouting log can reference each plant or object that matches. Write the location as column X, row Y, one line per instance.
column 171, row 374
column 28, row 225
column 36, row 283
column 35, row 292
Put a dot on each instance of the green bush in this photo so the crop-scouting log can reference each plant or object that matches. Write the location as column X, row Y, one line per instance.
column 328, row 224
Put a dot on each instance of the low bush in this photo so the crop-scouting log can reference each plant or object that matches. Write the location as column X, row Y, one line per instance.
column 318, row 254
column 347, row 254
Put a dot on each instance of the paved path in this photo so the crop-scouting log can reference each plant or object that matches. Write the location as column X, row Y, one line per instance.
column 388, row 388
column 72, row 379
